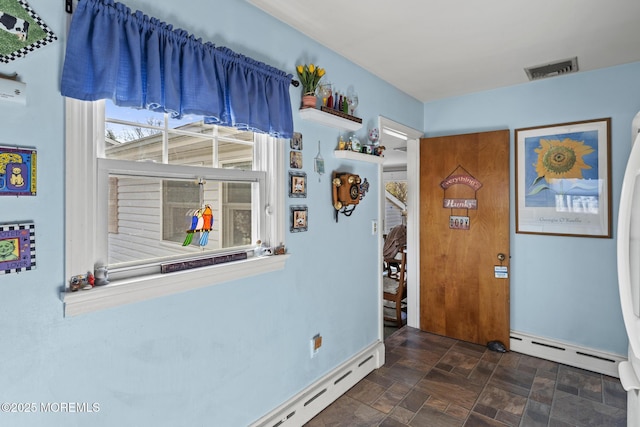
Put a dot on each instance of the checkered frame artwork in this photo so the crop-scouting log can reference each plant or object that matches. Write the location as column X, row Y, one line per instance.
column 17, row 247
column 21, row 30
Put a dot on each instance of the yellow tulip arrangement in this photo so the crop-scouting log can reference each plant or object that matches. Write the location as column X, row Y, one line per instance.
column 310, row 76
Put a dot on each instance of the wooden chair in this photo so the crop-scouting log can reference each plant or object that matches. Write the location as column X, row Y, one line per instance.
column 395, row 242
column 394, row 291
column 392, row 266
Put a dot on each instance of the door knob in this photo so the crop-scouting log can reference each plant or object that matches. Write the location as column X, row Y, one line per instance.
column 501, row 257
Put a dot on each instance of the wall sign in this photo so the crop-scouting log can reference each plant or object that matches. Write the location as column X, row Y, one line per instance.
column 17, row 247
column 17, row 172
column 460, row 176
column 21, row 30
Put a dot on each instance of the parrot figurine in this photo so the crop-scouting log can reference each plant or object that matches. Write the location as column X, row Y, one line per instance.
column 200, row 220
column 196, row 220
column 207, row 225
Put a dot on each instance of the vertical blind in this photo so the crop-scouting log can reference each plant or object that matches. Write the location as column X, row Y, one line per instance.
column 140, row 62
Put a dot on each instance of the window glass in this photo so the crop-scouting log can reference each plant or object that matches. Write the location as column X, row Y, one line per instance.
column 152, row 215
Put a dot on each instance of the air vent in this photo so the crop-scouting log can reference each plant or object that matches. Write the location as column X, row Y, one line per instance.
column 553, row 69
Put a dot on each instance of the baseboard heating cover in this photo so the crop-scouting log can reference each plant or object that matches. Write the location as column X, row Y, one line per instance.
column 568, row 354
column 312, row 400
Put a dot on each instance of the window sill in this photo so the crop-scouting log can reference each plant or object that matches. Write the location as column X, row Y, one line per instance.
column 143, row 288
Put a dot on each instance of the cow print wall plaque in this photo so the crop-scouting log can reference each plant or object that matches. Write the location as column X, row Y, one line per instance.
column 21, row 30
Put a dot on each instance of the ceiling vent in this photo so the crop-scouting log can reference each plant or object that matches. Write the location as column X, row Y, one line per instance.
column 553, row 69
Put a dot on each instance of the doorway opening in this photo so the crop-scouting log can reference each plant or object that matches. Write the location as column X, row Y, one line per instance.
column 395, row 242
column 397, row 207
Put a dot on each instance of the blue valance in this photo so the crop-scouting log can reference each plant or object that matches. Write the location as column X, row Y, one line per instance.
column 140, row 62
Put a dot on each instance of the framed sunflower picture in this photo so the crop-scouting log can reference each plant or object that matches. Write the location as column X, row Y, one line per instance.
column 563, row 179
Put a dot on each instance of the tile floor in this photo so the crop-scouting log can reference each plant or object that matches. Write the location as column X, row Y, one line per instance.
column 434, row 381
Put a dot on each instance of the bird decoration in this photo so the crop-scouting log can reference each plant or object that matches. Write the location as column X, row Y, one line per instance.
column 207, row 225
column 201, row 220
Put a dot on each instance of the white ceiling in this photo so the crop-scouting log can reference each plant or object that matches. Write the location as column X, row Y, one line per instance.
column 433, row 49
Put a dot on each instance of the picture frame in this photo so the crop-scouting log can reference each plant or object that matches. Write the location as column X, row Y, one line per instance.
column 295, row 159
column 18, row 171
column 296, row 141
column 563, row 179
column 26, row 33
column 17, row 247
column 297, row 184
column 299, row 218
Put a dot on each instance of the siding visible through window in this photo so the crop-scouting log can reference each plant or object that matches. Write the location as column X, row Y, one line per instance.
column 113, row 205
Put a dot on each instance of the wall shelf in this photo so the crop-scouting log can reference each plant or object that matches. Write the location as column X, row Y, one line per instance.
column 352, row 155
column 348, row 123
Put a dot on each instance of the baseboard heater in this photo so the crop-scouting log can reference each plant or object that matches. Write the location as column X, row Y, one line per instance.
column 565, row 353
column 311, row 401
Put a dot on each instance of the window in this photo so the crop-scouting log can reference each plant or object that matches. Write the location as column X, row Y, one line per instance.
column 132, row 195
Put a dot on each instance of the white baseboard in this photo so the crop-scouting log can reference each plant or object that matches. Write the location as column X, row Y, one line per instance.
column 312, row 400
column 568, row 354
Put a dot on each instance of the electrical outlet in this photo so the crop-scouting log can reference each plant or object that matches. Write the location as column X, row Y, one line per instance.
column 374, row 227
column 316, row 343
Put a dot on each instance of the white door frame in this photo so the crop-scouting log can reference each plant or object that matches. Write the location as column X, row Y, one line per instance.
column 413, row 233
column 413, row 214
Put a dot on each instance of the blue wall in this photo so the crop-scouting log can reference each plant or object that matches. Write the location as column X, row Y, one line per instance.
column 227, row 354
column 223, row 355
column 562, row 288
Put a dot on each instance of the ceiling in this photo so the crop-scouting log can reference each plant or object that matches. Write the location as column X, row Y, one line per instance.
column 438, row 49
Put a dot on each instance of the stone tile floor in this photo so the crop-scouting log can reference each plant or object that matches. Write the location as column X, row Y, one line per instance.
column 434, row 381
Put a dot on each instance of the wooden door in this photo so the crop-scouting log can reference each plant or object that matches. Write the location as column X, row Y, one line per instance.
column 464, row 231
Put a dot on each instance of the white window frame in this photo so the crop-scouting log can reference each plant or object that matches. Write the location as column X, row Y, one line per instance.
column 84, row 129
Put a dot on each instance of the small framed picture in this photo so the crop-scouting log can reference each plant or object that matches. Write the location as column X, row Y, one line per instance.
column 297, row 184
column 295, row 159
column 18, row 171
column 296, row 141
column 17, row 247
column 299, row 218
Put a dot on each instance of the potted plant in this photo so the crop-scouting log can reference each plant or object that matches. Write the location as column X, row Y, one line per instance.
column 310, row 76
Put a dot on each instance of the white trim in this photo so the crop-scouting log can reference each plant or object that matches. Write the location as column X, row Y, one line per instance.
column 565, row 353
column 274, row 209
column 82, row 120
column 312, row 400
column 380, row 224
column 413, row 233
column 408, row 132
column 157, row 285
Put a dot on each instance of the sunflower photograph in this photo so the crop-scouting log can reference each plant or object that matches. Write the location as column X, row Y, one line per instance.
column 563, row 179
column 556, row 160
